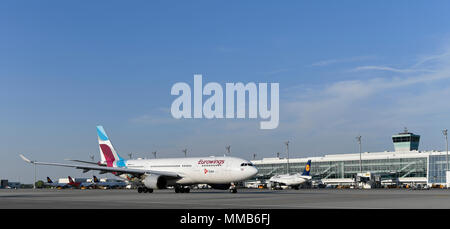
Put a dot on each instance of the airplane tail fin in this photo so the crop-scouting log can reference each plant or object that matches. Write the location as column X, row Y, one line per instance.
column 95, row 179
column 49, row 180
column 71, row 180
column 107, row 152
column 307, row 168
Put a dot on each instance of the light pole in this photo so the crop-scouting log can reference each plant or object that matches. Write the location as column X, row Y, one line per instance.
column 34, row 185
column 130, row 155
column 446, row 141
column 358, row 138
column 92, row 158
column 254, row 156
column 154, row 154
column 185, row 152
column 287, row 150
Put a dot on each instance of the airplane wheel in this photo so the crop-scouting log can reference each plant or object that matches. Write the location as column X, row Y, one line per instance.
column 149, row 190
column 140, row 190
column 146, row 190
column 233, row 190
column 182, row 190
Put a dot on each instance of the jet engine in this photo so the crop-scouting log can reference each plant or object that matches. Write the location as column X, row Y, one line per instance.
column 155, row 182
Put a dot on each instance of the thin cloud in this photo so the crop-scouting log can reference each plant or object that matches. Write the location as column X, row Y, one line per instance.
column 389, row 69
column 344, row 105
column 427, row 63
column 341, row 60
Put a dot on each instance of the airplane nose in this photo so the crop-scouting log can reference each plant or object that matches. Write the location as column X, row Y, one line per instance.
column 253, row 171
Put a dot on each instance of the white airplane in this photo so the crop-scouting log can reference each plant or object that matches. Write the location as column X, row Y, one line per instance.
column 292, row 180
column 150, row 174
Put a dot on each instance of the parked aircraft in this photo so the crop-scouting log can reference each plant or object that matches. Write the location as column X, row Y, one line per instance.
column 292, row 180
column 150, row 174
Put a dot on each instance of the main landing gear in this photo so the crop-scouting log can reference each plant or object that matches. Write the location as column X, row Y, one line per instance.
column 233, row 188
column 144, row 190
column 180, row 189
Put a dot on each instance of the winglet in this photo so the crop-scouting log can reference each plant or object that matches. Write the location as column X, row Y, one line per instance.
column 26, row 159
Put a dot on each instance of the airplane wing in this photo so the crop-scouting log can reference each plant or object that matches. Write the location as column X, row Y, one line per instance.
column 104, row 169
column 86, row 162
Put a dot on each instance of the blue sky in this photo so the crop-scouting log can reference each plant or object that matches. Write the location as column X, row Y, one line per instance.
column 344, row 67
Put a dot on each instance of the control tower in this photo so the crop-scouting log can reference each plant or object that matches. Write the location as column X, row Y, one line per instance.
column 406, row 141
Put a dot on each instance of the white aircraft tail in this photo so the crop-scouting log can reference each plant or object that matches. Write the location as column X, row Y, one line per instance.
column 108, row 154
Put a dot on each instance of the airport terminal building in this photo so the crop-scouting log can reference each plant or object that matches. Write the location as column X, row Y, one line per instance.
column 406, row 165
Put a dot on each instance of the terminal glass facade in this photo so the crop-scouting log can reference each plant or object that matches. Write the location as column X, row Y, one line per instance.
column 437, row 169
column 398, row 167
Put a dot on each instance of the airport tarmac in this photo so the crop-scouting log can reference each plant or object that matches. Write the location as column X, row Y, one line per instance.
column 217, row 199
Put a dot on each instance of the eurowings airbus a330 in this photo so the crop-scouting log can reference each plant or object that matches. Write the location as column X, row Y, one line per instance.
column 150, row 174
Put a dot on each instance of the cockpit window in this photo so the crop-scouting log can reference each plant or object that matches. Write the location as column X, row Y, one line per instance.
column 246, row 164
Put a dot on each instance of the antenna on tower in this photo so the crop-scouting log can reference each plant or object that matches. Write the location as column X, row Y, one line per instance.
column 228, row 149
column 154, row 154
column 185, row 152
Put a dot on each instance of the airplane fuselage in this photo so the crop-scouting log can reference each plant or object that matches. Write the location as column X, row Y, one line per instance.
column 290, row 180
column 198, row 170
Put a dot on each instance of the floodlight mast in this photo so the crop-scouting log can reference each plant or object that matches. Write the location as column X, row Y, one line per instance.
column 287, row 150
column 34, row 185
column 92, row 158
column 358, row 138
column 445, row 131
